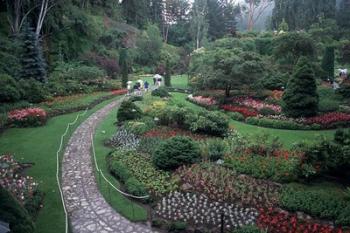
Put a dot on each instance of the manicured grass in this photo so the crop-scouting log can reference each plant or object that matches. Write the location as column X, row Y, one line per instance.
column 39, row 145
column 122, row 204
column 287, row 137
column 178, row 81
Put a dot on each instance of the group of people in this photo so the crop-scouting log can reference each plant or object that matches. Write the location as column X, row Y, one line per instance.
column 141, row 86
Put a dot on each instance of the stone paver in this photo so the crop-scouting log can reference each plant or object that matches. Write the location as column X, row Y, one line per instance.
column 88, row 210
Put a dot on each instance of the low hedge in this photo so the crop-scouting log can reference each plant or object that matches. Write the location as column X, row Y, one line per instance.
column 280, row 124
column 325, row 204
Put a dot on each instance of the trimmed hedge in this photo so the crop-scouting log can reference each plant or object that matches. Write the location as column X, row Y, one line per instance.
column 279, row 124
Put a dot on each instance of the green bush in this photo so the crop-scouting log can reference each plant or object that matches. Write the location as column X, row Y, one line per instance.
column 118, row 170
column 276, row 169
column 128, row 111
column 175, row 152
column 34, row 91
column 177, row 227
column 275, row 81
column 9, row 90
column 277, row 124
column 161, row 92
column 148, row 145
column 137, row 127
column 135, row 187
column 267, row 112
column 328, row 105
column 326, row 204
column 216, row 149
column 248, row 229
column 13, row 213
column 208, row 122
column 136, row 98
column 236, row 116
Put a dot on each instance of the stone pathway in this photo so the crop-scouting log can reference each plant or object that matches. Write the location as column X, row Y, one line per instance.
column 88, row 210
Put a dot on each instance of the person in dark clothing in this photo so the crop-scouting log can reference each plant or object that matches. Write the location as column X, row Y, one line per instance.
column 154, row 81
column 146, row 84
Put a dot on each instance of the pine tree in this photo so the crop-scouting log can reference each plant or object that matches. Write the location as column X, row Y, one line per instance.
column 167, row 76
column 123, row 63
column 300, row 98
column 328, row 62
column 32, row 60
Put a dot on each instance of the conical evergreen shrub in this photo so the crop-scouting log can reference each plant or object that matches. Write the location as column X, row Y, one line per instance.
column 32, row 61
column 300, row 98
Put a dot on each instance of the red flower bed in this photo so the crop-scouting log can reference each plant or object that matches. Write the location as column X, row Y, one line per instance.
column 276, row 221
column 246, row 112
column 120, row 92
column 328, row 118
column 28, row 117
column 165, row 133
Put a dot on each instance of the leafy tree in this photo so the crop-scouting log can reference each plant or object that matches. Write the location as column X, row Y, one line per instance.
column 289, row 47
column 9, row 89
column 300, row 98
column 199, row 22
column 149, row 46
column 123, row 63
column 301, row 14
column 33, row 63
column 136, row 12
column 227, row 69
column 328, row 62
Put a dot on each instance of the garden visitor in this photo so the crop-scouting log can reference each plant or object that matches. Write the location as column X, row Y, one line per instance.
column 129, row 84
column 146, row 86
column 154, row 81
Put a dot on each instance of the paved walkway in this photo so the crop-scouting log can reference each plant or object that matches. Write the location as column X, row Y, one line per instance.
column 88, row 210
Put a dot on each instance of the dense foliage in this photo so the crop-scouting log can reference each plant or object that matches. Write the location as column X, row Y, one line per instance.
column 128, row 111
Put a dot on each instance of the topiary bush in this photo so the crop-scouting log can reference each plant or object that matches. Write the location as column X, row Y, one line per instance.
column 128, row 111
column 208, row 122
column 13, row 213
column 161, row 92
column 175, row 152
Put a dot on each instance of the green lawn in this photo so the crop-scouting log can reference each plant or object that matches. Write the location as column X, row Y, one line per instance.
column 123, row 205
column 178, row 81
column 39, row 145
column 287, row 137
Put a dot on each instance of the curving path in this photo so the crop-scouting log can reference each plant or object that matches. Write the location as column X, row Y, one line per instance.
column 87, row 209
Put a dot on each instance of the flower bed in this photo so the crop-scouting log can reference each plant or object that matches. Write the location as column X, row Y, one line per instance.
column 165, row 133
column 276, row 221
column 156, row 181
column 328, row 119
column 202, row 101
column 27, row 117
column 246, row 112
column 124, row 140
column 119, row 92
column 222, row 184
column 199, row 210
column 23, row 188
column 256, row 104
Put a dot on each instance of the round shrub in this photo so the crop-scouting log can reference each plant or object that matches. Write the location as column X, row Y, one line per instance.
column 128, row 111
column 135, row 187
column 34, row 91
column 119, row 171
column 9, row 90
column 236, row 116
column 175, row 152
column 161, row 92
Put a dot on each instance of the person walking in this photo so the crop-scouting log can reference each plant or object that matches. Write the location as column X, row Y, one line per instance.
column 146, row 84
column 129, row 85
column 154, row 81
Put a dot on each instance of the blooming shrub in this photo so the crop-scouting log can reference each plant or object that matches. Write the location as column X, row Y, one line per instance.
column 222, row 184
column 124, row 140
column 156, row 181
column 276, row 221
column 246, row 112
column 202, row 101
column 277, row 95
column 199, row 210
column 27, row 117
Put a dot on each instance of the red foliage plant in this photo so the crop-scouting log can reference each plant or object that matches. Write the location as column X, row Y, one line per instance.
column 276, row 221
column 165, row 133
column 328, row 118
column 22, row 115
column 246, row 112
column 120, row 92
